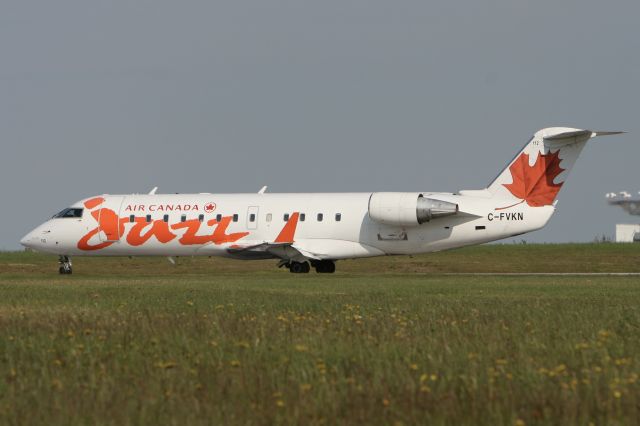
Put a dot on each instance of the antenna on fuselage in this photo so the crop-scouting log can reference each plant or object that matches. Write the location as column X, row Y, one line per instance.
column 153, row 191
column 263, row 190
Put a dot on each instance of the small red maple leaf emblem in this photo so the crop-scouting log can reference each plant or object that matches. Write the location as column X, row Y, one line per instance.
column 209, row 207
column 534, row 184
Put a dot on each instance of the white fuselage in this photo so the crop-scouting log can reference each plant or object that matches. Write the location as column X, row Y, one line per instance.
column 330, row 226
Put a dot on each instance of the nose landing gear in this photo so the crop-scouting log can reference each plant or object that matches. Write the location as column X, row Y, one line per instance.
column 65, row 265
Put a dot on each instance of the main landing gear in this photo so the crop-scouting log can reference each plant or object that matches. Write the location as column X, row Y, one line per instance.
column 65, row 265
column 299, row 267
column 322, row 267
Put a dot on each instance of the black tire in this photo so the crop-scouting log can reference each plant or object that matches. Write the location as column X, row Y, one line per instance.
column 331, row 267
column 295, row 268
column 299, row 267
column 61, row 270
column 325, row 267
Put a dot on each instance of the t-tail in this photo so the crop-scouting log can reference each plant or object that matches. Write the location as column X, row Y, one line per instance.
column 523, row 196
column 536, row 174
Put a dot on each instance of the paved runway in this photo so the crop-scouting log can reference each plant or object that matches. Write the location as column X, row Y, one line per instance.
column 548, row 274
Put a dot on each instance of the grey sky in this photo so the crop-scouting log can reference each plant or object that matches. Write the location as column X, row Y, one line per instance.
column 213, row 96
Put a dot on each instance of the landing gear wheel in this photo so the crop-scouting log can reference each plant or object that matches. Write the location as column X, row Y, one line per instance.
column 299, row 267
column 325, row 267
column 65, row 265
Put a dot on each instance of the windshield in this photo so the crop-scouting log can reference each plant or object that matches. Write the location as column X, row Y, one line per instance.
column 70, row 212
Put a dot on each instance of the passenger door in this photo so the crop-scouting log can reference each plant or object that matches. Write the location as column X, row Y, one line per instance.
column 109, row 219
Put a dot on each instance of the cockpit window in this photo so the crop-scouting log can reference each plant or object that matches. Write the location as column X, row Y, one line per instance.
column 70, row 212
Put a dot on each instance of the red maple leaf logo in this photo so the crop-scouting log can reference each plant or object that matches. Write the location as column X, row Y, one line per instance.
column 534, row 184
column 209, row 207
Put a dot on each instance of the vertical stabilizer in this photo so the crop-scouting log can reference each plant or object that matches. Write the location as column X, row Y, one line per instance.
column 537, row 173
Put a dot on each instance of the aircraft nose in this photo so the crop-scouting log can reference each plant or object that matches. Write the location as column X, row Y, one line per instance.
column 28, row 240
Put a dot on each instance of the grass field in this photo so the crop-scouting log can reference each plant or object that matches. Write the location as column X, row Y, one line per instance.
column 383, row 341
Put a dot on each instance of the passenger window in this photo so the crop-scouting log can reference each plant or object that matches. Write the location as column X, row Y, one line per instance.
column 320, row 217
column 338, row 217
column 165, row 218
column 183, row 218
column 148, row 218
column 218, row 217
column 252, row 217
column 269, row 217
column 286, row 217
column 201, row 218
column 132, row 218
column 302, row 217
column 235, row 217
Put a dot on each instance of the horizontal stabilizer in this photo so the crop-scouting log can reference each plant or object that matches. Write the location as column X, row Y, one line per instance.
column 552, row 135
column 560, row 133
column 607, row 133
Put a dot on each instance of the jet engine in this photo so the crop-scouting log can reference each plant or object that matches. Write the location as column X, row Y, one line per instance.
column 407, row 208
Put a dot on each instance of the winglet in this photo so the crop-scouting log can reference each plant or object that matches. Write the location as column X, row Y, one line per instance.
column 153, row 191
column 289, row 230
column 263, row 190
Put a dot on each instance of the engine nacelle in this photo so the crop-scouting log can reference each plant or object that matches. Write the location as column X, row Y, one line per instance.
column 407, row 208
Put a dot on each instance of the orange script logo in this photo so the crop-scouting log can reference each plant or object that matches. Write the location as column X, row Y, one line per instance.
column 142, row 231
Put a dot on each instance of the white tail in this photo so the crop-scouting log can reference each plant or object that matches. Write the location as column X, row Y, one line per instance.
column 537, row 173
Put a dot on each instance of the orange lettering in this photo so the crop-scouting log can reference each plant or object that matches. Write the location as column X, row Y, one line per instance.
column 108, row 222
column 113, row 227
column 189, row 237
column 219, row 235
column 94, row 202
column 83, row 244
column 158, row 228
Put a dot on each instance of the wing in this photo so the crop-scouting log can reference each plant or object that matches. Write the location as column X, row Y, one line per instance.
column 281, row 248
column 269, row 250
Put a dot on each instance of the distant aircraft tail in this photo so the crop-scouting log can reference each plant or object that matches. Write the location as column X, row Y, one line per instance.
column 537, row 173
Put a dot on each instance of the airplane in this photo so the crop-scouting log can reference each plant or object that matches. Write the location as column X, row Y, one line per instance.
column 624, row 199
column 304, row 230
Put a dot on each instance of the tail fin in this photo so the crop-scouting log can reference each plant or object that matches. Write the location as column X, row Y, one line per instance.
column 537, row 173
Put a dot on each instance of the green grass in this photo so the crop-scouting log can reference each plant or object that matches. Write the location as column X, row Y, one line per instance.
column 383, row 341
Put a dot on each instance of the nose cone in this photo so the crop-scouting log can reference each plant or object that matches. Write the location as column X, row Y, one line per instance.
column 29, row 240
